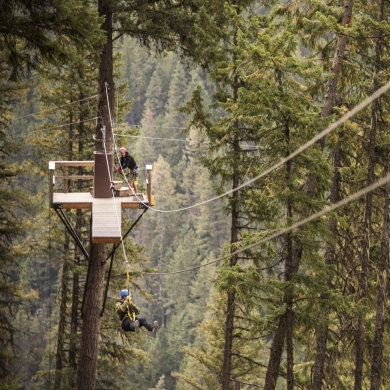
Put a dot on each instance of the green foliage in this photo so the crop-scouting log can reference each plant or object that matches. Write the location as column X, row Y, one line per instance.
column 269, row 64
column 42, row 31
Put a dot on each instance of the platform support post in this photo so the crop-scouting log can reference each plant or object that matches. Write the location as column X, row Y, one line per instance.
column 149, row 169
column 52, row 167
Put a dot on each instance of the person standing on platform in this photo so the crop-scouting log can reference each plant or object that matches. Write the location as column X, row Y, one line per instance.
column 127, row 161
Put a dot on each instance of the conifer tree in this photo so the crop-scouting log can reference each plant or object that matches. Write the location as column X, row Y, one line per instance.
column 157, row 91
column 137, row 69
column 148, row 23
column 173, row 122
column 41, row 31
column 262, row 111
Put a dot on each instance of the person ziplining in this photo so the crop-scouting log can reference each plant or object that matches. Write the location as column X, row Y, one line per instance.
column 127, row 312
column 127, row 161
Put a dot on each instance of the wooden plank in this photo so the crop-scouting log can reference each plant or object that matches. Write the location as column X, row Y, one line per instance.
column 74, row 163
column 103, row 240
column 106, row 221
column 84, row 200
column 77, row 206
column 74, row 177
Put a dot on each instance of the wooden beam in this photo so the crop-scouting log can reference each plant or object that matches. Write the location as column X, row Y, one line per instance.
column 74, row 163
column 105, row 240
column 74, row 177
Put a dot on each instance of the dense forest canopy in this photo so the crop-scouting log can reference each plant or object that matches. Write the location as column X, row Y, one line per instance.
column 216, row 96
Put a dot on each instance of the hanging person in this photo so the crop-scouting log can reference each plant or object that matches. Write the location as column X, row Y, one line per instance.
column 127, row 161
column 127, row 312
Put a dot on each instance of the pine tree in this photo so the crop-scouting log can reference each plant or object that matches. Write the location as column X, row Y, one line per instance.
column 173, row 122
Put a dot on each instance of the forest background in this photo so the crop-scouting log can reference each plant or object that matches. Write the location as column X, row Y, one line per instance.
column 283, row 308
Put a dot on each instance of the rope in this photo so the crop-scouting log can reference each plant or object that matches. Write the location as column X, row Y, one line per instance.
column 112, row 188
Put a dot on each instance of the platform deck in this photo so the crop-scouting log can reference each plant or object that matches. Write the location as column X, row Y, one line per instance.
column 84, row 200
column 106, row 212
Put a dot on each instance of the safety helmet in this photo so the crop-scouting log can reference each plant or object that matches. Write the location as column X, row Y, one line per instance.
column 125, row 293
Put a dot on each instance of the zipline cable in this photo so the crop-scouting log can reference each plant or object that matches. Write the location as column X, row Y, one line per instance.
column 155, row 138
column 303, row 147
column 54, row 109
column 113, row 194
column 328, row 209
column 65, row 124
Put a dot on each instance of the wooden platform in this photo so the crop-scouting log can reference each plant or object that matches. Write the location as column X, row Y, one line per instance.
column 106, row 212
column 84, row 200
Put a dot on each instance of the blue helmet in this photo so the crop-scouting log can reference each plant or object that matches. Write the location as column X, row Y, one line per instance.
column 125, row 293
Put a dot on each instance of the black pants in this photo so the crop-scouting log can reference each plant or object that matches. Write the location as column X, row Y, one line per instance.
column 128, row 324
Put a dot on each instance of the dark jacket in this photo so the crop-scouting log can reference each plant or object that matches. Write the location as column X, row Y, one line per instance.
column 127, row 308
column 128, row 161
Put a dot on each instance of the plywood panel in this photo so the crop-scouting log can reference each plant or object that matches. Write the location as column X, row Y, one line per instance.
column 106, row 221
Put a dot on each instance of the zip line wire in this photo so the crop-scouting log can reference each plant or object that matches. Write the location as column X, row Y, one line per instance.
column 158, row 138
column 55, row 108
column 319, row 136
column 325, row 211
column 112, row 188
column 65, row 124
column 303, row 147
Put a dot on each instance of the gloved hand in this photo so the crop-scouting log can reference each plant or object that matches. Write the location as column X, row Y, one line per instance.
column 118, row 168
column 128, row 299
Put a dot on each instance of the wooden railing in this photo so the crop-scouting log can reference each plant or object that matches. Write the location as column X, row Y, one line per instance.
column 65, row 177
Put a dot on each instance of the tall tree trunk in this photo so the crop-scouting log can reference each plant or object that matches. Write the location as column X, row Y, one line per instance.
column 383, row 271
column 275, row 355
column 62, row 317
column 322, row 334
column 330, row 99
column 74, row 316
column 337, row 63
column 285, row 326
column 377, row 355
column 360, row 332
column 230, row 310
column 89, row 344
column 289, row 278
column 234, row 237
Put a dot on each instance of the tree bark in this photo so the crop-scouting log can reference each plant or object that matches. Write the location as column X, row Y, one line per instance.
column 62, row 318
column 89, row 344
column 360, row 332
column 337, row 63
column 231, row 296
column 234, row 237
column 275, row 355
column 74, row 317
column 377, row 355
column 289, row 279
column 383, row 271
column 322, row 334
column 330, row 99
